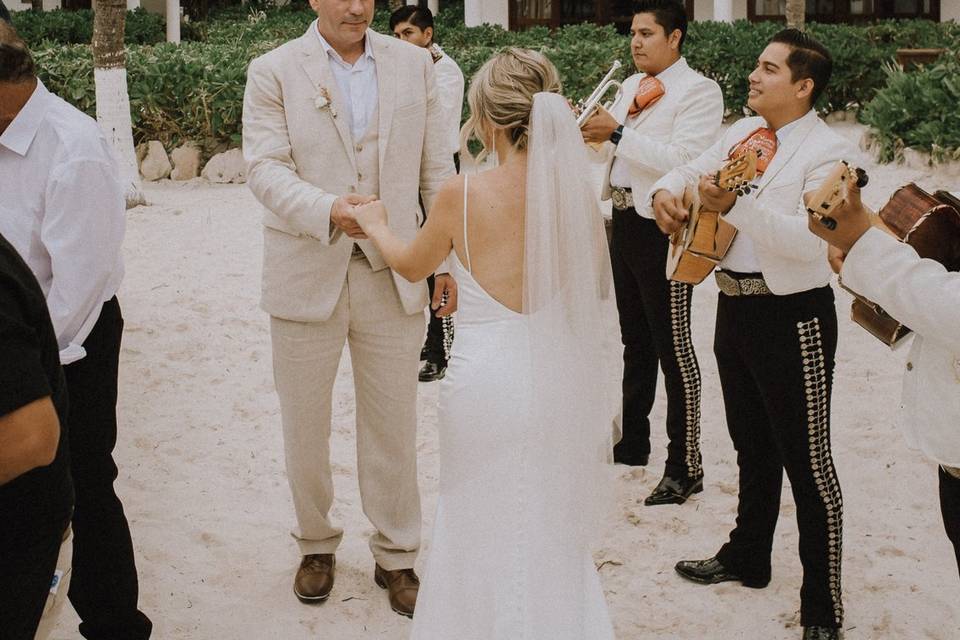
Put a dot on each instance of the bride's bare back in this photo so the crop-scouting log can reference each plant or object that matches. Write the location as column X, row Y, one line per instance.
column 495, row 203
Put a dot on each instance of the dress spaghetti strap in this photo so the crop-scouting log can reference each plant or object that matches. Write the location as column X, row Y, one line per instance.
column 466, row 245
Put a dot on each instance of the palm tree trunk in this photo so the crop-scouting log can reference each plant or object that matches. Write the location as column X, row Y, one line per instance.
column 113, row 101
column 796, row 14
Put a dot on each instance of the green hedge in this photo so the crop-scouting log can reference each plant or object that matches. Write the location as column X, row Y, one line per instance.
column 195, row 90
column 918, row 110
column 48, row 28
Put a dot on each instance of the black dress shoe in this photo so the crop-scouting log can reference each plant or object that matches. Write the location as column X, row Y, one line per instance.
column 821, row 633
column 674, row 491
column 710, row 571
column 622, row 455
column 432, row 371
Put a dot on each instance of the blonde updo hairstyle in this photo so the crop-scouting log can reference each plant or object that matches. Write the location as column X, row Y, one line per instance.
column 501, row 96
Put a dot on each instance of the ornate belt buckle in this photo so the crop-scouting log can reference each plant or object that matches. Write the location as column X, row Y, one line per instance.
column 727, row 284
column 622, row 199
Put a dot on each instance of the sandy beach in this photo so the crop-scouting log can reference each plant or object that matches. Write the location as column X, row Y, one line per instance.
column 202, row 472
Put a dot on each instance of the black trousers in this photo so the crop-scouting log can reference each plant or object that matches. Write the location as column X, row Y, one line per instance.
column 433, row 348
column 26, row 572
column 775, row 357
column 655, row 329
column 950, row 508
column 104, row 587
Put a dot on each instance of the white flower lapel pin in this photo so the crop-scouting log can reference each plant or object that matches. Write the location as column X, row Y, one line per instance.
column 322, row 101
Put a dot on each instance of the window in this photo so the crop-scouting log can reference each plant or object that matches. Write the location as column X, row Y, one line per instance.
column 848, row 10
column 555, row 13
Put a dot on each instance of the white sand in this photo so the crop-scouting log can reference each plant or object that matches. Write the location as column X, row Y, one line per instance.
column 202, row 475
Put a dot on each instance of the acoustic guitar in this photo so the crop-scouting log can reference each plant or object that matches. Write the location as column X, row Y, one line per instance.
column 698, row 247
column 928, row 223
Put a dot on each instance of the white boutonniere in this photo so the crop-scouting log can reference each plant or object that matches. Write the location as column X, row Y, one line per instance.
column 322, row 101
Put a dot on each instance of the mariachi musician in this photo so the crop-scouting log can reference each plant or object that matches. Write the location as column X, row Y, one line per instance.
column 923, row 295
column 667, row 114
column 776, row 331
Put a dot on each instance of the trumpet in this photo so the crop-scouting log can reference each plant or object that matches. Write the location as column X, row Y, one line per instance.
column 589, row 106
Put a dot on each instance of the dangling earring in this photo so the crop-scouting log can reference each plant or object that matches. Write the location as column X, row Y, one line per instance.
column 493, row 153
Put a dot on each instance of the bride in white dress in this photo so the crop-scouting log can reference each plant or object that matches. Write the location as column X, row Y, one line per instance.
column 526, row 404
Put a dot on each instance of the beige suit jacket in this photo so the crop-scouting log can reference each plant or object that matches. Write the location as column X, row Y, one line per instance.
column 301, row 158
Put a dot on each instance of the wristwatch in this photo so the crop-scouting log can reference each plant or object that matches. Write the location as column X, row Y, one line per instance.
column 616, row 135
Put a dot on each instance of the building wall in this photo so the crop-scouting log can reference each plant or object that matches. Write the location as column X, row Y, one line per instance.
column 703, row 9
column 477, row 12
column 50, row 5
column 949, row 10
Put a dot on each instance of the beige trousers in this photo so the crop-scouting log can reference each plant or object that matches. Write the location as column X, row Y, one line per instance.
column 384, row 346
column 59, row 586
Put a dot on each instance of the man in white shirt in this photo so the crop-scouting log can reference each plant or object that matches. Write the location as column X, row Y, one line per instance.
column 923, row 295
column 332, row 119
column 414, row 24
column 63, row 211
column 776, row 332
column 666, row 116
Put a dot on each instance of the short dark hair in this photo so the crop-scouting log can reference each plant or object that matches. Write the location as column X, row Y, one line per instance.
column 669, row 14
column 16, row 63
column 420, row 17
column 808, row 59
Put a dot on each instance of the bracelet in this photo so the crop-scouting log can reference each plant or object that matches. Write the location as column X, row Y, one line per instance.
column 616, row 135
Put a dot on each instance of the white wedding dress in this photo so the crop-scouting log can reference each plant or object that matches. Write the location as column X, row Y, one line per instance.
column 509, row 558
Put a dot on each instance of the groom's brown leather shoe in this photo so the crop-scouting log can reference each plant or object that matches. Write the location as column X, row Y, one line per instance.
column 402, row 586
column 314, row 579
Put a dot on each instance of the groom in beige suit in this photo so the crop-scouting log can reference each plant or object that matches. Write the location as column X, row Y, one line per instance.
column 331, row 119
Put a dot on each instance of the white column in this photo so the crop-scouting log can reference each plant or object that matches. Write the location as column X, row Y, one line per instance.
column 173, row 20
column 472, row 13
column 133, row 4
column 723, row 10
column 433, row 5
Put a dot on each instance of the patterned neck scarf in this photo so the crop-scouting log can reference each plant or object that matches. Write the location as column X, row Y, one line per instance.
column 763, row 140
column 649, row 92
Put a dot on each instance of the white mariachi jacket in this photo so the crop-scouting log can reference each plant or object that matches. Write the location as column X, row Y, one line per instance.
column 773, row 215
column 924, row 296
column 669, row 133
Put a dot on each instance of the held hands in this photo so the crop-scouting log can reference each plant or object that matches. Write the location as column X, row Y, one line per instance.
column 669, row 212
column 343, row 212
column 370, row 214
column 714, row 198
column 599, row 127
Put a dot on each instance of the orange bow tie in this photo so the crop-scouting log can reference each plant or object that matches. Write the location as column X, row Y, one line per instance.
column 648, row 92
column 763, row 141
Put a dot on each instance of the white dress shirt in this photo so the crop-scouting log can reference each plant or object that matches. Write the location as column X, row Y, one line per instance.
column 668, row 134
column 923, row 295
column 62, row 208
column 450, row 94
column 357, row 83
column 741, row 257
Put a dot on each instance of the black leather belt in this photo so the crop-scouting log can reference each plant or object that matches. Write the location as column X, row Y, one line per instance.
column 733, row 283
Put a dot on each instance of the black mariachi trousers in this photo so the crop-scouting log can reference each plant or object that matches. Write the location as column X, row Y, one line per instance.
column 775, row 357
column 950, row 509
column 655, row 329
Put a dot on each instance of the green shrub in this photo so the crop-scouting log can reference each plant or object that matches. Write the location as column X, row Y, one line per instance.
column 917, row 109
column 76, row 27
